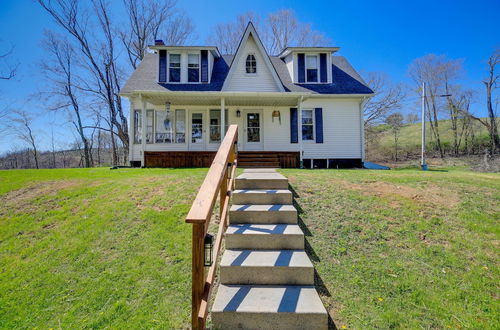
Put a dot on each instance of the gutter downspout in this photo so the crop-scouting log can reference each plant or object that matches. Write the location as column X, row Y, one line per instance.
column 362, row 123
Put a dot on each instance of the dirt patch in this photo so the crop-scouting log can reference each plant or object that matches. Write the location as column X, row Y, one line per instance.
column 431, row 194
column 22, row 197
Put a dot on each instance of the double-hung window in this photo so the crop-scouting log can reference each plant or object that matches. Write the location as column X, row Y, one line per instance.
column 137, row 126
column 307, row 125
column 215, row 124
column 193, row 68
column 180, row 126
column 174, row 68
column 149, row 125
column 311, row 68
column 164, row 127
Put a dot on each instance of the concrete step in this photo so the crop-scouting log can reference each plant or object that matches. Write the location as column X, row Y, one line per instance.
column 263, row 214
column 268, row 307
column 249, row 236
column 262, row 196
column 281, row 267
column 261, row 180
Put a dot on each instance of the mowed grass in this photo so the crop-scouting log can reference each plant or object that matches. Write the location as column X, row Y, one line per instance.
column 95, row 248
column 403, row 249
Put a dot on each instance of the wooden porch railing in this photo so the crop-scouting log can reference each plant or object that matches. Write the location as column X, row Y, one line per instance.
column 218, row 182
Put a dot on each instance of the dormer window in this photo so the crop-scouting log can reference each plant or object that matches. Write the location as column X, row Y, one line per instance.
column 251, row 64
column 174, row 68
column 311, row 68
column 193, row 68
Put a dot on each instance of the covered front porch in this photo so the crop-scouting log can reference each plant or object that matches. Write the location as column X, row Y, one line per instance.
column 185, row 130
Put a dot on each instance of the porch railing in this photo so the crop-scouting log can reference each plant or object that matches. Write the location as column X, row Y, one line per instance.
column 218, row 182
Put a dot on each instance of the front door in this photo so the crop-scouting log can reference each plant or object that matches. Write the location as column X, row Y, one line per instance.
column 253, row 130
column 197, row 138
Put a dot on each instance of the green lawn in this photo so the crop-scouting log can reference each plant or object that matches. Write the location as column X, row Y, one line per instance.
column 95, row 248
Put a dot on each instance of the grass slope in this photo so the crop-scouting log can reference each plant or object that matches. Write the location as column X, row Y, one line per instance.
column 94, row 248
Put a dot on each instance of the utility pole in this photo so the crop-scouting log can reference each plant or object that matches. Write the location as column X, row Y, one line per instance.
column 423, row 165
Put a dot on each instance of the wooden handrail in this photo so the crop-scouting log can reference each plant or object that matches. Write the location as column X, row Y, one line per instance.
column 219, row 182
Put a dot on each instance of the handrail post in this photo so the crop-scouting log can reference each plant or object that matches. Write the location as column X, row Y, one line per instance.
column 198, row 273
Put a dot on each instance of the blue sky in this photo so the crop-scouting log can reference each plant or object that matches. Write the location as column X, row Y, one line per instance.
column 374, row 35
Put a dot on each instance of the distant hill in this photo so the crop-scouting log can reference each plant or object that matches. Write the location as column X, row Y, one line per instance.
column 380, row 141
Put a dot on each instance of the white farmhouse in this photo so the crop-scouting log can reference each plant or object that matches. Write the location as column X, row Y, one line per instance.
column 303, row 105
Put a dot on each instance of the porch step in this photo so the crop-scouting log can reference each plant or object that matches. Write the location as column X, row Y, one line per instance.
column 256, row 154
column 262, row 196
column 263, row 214
column 249, row 236
column 266, row 267
column 268, row 307
column 261, row 180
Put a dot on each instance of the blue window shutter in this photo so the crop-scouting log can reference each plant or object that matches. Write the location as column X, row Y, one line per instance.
column 294, row 136
column 162, row 74
column 318, row 114
column 301, row 67
column 204, row 66
column 323, row 68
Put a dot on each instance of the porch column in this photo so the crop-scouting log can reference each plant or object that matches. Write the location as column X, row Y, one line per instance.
column 299, row 128
column 222, row 118
column 143, row 130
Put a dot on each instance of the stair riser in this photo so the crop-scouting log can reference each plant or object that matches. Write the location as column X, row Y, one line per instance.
column 290, row 321
column 263, row 217
column 265, row 242
column 262, row 199
column 267, row 275
column 262, row 184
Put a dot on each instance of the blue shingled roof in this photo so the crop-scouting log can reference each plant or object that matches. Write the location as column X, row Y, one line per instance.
column 345, row 79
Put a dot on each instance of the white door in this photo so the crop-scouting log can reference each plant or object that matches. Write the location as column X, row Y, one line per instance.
column 253, row 130
column 197, row 137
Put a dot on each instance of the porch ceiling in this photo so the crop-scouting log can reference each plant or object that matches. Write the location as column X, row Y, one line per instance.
column 215, row 100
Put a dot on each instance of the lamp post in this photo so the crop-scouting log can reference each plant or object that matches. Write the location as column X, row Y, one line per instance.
column 423, row 164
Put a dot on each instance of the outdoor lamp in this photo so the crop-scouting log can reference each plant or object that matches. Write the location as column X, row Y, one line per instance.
column 238, row 113
column 209, row 244
column 167, row 107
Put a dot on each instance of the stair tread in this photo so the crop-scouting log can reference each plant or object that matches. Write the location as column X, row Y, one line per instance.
column 300, row 299
column 262, row 191
column 265, row 258
column 262, row 207
column 261, row 176
column 261, row 229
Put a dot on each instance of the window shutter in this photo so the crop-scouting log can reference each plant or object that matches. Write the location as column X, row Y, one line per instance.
column 162, row 74
column 301, row 68
column 318, row 114
column 204, row 65
column 294, row 136
column 323, row 68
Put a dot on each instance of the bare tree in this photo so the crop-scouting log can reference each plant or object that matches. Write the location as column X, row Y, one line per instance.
column 150, row 20
column 96, row 44
column 278, row 31
column 8, row 70
column 412, row 118
column 395, row 121
column 387, row 98
column 491, row 83
column 284, row 30
column 459, row 102
column 22, row 127
column 436, row 71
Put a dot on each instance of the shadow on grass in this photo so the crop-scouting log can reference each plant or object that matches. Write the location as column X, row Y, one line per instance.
column 318, row 281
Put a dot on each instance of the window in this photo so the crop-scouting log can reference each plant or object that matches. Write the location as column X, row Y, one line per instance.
column 307, row 125
column 137, row 126
column 251, row 64
column 215, row 124
column 312, row 68
column 180, row 126
column 149, row 125
column 174, row 68
column 164, row 127
column 193, row 67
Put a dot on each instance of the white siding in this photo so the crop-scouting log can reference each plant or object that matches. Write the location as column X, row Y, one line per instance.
column 342, row 133
column 240, row 81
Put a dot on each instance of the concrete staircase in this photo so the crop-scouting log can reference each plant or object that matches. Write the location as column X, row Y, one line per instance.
column 266, row 277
